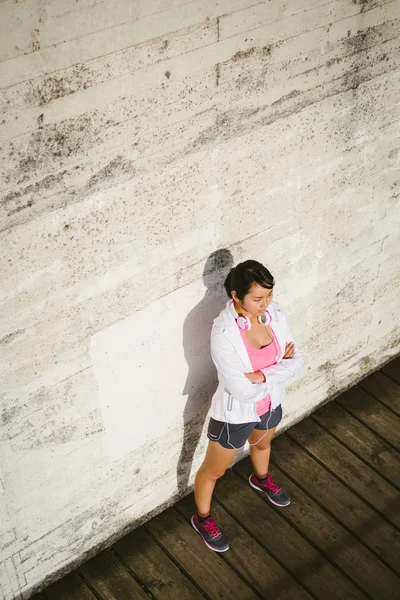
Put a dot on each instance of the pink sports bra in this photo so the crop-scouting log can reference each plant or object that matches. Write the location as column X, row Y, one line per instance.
column 261, row 358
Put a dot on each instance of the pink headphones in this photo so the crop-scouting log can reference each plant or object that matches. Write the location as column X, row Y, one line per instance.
column 245, row 323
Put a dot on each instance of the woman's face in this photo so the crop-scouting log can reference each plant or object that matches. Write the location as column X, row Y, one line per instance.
column 256, row 301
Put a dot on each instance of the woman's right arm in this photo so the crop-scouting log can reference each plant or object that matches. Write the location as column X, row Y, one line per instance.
column 230, row 371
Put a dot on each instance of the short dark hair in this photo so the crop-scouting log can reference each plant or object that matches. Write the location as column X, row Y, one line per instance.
column 241, row 278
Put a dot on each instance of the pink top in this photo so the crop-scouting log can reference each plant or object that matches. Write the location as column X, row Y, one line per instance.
column 261, row 358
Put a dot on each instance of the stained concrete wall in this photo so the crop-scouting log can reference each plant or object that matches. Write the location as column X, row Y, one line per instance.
column 137, row 139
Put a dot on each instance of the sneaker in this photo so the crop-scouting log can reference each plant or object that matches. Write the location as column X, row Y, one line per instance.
column 211, row 534
column 274, row 493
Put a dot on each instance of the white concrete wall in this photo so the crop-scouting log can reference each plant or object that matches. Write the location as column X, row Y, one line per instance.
column 137, row 138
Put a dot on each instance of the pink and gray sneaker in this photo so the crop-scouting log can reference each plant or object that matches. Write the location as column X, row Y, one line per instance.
column 268, row 487
column 211, row 533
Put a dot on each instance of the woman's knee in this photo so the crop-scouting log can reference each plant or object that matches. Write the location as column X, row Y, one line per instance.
column 261, row 446
column 213, row 472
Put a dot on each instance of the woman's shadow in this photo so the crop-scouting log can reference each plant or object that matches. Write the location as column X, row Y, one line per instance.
column 201, row 380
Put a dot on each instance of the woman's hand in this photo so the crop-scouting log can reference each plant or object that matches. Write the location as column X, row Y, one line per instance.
column 256, row 377
column 289, row 350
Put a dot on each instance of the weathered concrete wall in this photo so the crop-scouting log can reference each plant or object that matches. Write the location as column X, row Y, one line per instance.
column 136, row 139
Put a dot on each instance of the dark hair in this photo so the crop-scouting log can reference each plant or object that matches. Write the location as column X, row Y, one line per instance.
column 241, row 278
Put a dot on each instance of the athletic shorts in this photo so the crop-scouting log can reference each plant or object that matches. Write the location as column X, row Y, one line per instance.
column 234, row 436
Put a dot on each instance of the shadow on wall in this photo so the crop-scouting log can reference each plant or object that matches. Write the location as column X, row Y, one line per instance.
column 201, row 380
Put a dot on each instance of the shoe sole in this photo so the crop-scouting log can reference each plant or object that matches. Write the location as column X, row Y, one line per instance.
column 208, row 545
column 265, row 494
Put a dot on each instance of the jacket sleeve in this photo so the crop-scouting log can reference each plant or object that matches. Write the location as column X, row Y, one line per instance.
column 231, row 373
column 288, row 367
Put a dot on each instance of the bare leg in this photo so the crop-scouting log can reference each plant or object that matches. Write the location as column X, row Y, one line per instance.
column 216, row 462
column 261, row 451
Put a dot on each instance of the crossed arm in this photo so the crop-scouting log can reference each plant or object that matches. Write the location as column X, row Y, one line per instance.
column 259, row 377
column 240, row 384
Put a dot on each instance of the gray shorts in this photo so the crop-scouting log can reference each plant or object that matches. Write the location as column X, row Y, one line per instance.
column 234, row 436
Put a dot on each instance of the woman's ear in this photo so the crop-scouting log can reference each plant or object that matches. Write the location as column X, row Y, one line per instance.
column 234, row 296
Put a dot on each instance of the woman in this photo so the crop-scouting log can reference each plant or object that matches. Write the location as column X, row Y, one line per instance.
column 254, row 352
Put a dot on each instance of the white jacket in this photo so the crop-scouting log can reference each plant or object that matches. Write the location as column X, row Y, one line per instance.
column 235, row 398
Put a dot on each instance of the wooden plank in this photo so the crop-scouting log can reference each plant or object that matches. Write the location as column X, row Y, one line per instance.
column 282, row 541
column 370, row 412
column 154, row 569
column 332, row 540
column 348, row 468
column 360, row 440
column 383, row 389
column 109, row 579
column 70, row 587
column 392, row 369
column 340, row 502
column 212, row 574
column 259, row 569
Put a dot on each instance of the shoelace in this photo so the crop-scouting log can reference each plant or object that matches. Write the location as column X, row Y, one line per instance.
column 271, row 485
column 212, row 527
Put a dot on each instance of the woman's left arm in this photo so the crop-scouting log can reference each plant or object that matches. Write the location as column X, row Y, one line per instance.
column 288, row 367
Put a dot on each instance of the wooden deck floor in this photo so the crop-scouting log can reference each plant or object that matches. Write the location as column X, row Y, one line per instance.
column 338, row 539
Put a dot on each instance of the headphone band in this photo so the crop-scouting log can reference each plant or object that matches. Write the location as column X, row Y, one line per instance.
column 244, row 322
